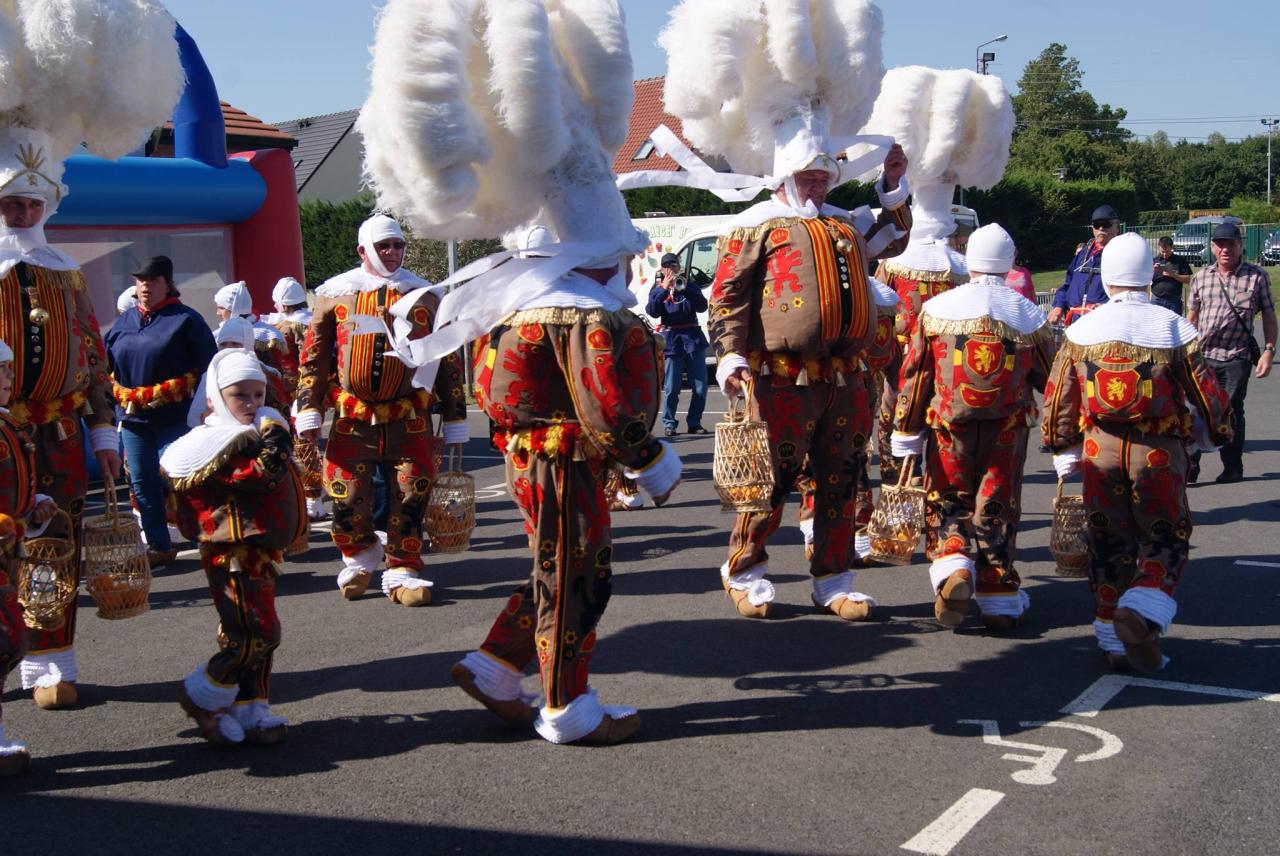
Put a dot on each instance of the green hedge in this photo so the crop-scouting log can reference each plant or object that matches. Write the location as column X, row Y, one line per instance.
column 1048, row 218
column 1166, row 217
column 329, row 243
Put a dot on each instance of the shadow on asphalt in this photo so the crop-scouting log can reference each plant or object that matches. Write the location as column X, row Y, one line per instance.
column 129, row 827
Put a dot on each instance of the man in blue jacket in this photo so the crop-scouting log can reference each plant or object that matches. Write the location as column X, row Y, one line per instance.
column 676, row 302
column 1082, row 290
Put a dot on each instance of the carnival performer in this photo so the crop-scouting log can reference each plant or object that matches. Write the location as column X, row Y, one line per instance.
column 569, row 374
column 234, row 301
column 382, row 418
column 967, row 380
column 241, row 498
column 1128, row 391
column 293, row 318
column 956, row 127
column 791, row 310
column 52, row 105
column 20, row 507
column 881, row 358
column 157, row 352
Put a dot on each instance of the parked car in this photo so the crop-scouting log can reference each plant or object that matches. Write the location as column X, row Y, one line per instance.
column 1271, row 249
column 1191, row 241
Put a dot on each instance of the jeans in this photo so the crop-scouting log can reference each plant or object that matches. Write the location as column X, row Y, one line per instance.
column 143, row 446
column 676, row 365
column 1233, row 377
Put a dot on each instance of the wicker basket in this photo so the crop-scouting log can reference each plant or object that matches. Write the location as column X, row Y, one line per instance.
column 307, row 454
column 451, row 508
column 116, row 571
column 898, row 521
column 47, row 576
column 742, row 467
column 1067, row 541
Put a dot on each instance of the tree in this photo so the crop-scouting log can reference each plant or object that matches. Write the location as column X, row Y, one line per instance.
column 1060, row 126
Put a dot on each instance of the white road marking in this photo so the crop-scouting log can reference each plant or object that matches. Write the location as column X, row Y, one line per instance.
column 1251, row 563
column 1043, row 761
column 939, row 837
column 1111, row 745
column 1104, row 689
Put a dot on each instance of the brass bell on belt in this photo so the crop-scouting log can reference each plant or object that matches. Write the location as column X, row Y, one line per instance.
column 39, row 317
column 844, row 245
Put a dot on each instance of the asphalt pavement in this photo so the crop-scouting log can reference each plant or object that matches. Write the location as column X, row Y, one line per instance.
column 800, row 734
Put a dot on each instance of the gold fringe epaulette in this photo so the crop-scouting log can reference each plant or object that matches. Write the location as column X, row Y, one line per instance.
column 969, row 326
column 240, row 443
column 756, row 233
column 889, row 268
column 1125, row 352
column 557, row 315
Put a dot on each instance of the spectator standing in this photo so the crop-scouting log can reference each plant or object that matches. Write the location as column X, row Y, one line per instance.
column 1224, row 299
column 157, row 350
column 1171, row 273
column 1081, row 289
column 1019, row 279
column 676, row 302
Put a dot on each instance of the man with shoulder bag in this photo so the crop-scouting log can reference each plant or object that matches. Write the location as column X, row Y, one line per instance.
column 1224, row 299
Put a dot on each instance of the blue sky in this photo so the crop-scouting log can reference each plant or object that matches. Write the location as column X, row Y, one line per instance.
column 285, row 59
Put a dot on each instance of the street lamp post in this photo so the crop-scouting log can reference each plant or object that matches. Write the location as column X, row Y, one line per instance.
column 980, row 59
column 1270, row 123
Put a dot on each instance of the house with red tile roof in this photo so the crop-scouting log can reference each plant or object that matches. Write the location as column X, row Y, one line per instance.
column 245, row 133
column 646, row 114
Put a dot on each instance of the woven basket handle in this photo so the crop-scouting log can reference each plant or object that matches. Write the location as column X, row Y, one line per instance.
column 109, row 496
column 1060, row 483
column 904, row 474
column 453, row 459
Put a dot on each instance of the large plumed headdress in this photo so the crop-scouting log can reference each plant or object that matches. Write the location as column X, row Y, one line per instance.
column 955, row 127
column 483, row 112
column 102, row 72
column 776, row 86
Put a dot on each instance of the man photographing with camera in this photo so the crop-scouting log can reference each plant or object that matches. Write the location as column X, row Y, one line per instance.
column 1082, row 290
column 676, row 302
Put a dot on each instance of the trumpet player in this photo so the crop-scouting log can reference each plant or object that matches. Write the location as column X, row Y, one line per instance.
column 676, row 302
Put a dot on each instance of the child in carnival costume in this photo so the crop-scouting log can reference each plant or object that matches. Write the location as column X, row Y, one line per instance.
column 240, row 497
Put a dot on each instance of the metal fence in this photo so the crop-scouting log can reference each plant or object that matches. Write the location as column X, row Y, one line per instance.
column 1191, row 241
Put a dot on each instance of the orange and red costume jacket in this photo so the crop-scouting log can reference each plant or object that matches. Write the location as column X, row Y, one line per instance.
column 250, row 493
column 580, row 383
column 958, row 371
column 793, row 294
column 59, row 366
column 358, row 373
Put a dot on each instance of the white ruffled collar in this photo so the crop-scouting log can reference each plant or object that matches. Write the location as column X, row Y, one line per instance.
column 358, row 280
column 1131, row 317
column 931, row 255
column 989, row 298
column 30, row 246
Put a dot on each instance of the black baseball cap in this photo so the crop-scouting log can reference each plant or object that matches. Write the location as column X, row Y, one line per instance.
column 670, row 259
column 1226, row 232
column 155, row 266
column 1104, row 212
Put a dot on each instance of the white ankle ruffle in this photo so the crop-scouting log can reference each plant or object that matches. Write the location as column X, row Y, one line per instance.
column 496, row 680
column 944, row 566
column 1152, row 604
column 1013, row 604
column 394, row 578
column 10, row 747
column 1105, row 633
column 759, row 590
column 49, row 670
column 577, row 719
column 829, row 589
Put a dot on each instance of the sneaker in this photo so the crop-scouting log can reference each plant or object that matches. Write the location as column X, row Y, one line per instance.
column 699, row 430
column 671, row 431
